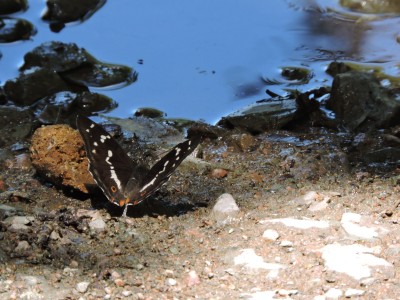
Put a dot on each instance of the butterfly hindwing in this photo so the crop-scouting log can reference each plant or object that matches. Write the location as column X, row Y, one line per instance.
column 163, row 169
column 109, row 165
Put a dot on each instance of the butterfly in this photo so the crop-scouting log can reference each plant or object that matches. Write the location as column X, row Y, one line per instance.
column 124, row 181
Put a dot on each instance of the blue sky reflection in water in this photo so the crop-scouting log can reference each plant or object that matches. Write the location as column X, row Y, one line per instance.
column 203, row 59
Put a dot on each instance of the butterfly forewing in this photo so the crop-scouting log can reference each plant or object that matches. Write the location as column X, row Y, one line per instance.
column 110, row 166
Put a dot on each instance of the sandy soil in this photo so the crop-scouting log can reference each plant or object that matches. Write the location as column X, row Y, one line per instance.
column 174, row 247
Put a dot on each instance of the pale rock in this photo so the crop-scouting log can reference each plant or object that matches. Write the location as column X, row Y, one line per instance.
column 126, row 293
column 54, row 235
column 264, row 295
column 24, row 220
column 271, row 234
column 82, row 286
column 286, row 244
column 97, row 225
column 170, row 282
column 333, row 294
column 7, row 211
column 354, row 260
column 22, row 247
column 17, row 228
column 350, row 223
column 225, row 209
column 192, row 278
column 301, row 224
column 353, row 293
column 251, row 260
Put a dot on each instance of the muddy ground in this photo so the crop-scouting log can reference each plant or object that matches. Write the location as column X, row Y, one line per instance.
column 172, row 246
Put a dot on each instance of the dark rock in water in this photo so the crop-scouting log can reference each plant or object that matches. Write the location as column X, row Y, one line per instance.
column 361, row 104
column 296, row 75
column 263, row 116
column 34, row 85
column 8, row 7
column 77, row 66
column 16, row 124
column 57, row 56
column 149, row 112
column 101, row 75
column 63, row 107
column 12, row 30
column 60, row 12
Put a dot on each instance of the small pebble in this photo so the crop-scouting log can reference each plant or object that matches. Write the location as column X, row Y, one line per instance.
column 126, row 293
column 271, row 234
column 119, row 282
column 333, row 294
column 286, row 244
column 225, row 208
column 219, row 173
column 97, row 225
column 54, row 235
column 82, row 287
column 170, row 282
column 353, row 293
column 22, row 247
column 192, row 278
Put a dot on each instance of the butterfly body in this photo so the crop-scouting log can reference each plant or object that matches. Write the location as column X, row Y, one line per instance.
column 122, row 180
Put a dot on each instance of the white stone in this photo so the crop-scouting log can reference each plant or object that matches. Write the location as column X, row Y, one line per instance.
column 126, row 293
column 170, row 282
column 251, row 260
column 350, row 223
column 24, row 220
column 353, row 293
column 271, row 234
column 286, row 244
column 82, row 286
column 301, row 224
column 351, row 217
column 266, row 295
column 97, row 224
column 225, row 209
column 333, row 294
column 354, row 260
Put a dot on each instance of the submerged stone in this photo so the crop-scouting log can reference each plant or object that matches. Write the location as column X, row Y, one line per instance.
column 13, row 29
column 60, row 12
column 33, row 85
column 77, row 66
column 57, row 56
column 8, row 7
column 63, row 107
column 261, row 117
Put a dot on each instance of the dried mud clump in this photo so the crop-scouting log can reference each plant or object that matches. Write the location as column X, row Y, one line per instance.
column 58, row 154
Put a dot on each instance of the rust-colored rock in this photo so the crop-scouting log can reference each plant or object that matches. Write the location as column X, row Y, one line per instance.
column 58, row 154
column 219, row 173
